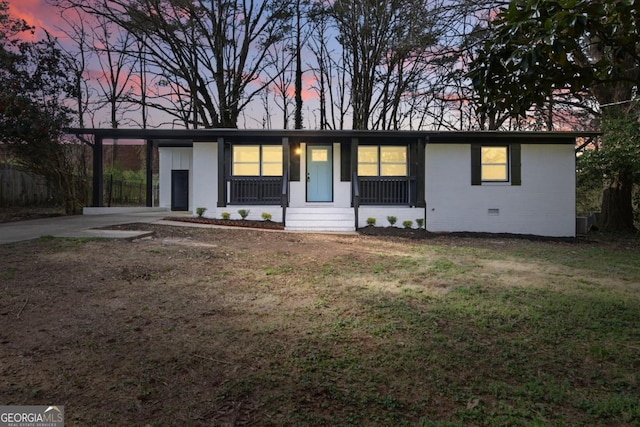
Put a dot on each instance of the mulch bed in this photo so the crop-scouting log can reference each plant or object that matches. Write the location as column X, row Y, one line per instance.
column 270, row 225
column 409, row 233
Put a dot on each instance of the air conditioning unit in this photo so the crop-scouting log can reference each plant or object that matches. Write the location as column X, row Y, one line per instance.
column 582, row 225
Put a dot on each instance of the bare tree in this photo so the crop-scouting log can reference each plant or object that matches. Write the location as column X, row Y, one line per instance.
column 211, row 52
column 80, row 49
column 329, row 70
column 281, row 56
column 300, row 36
column 114, row 48
column 387, row 49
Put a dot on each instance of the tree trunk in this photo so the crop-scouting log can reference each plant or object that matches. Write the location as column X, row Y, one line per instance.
column 298, row 85
column 617, row 207
column 617, row 204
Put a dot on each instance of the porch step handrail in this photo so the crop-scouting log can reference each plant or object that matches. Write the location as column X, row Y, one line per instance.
column 356, row 197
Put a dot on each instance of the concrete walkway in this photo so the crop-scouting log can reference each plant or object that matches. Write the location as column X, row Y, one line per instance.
column 79, row 226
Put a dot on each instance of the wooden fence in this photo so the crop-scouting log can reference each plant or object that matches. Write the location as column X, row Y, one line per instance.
column 19, row 187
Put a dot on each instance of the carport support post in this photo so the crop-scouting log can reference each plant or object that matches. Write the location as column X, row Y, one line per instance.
column 97, row 173
column 222, row 178
column 149, row 173
column 284, row 202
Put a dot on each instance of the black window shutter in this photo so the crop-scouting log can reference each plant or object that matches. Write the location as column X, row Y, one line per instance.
column 516, row 167
column 294, row 161
column 345, row 162
column 476, row 166
column 413, row 159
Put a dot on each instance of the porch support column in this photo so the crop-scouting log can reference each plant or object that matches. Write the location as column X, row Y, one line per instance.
column 97, row 173
column 222, row 178
column 420, row 178
column 354, row 156
column 149, row 165
column 285, row 172
column 354, row 166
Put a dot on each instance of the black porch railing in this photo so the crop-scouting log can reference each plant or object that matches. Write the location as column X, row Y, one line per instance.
column 255, row 190
column 384, row 190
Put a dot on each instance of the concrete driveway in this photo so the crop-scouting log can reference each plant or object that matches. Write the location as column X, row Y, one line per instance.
column 79, row 226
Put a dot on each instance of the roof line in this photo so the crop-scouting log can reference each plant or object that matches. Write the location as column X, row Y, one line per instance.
column 225, row 132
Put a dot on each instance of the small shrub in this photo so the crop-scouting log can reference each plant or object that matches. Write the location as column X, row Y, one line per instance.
column 420, row 222
column 371, row 221
column 266, row 216
column 244, row 213
column 407, row 224
column 392, row 220
column 225, row 215
column 200, row 212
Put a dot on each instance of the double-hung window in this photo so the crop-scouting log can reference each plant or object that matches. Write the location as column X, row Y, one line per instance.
column 257, row 160
column 383, row 175
column 374, row 160
column 494, row 163
column 256, row 174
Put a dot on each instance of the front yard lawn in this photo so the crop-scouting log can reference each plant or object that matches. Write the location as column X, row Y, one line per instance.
column 236, row 327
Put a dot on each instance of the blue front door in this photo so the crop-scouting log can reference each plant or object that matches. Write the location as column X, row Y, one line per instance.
column 319, row 173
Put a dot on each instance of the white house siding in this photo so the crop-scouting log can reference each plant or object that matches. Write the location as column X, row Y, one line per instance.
column 174, row 158
column 543, row 205
column 341, row 190
column 297, row 189
column 205, row 170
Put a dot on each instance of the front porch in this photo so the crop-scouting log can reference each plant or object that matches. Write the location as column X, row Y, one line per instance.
column 281, row 198
column 314, row 184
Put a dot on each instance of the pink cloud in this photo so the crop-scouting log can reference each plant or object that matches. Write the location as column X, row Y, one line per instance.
column 308, row 93
column 39, row 14
column 308, row 81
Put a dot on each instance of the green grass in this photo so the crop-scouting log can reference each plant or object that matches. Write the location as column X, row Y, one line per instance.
column 526, row 356
column 559, row 350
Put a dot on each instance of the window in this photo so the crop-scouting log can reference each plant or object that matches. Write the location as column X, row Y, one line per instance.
column 257, row 160
column 272, row 160
column 495, row 163
column 376, row 160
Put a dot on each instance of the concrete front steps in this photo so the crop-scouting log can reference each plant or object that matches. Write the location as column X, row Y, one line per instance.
column 316, row 218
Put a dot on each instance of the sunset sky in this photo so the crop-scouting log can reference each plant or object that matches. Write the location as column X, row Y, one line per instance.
column 36, row 12
column 44, row 16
